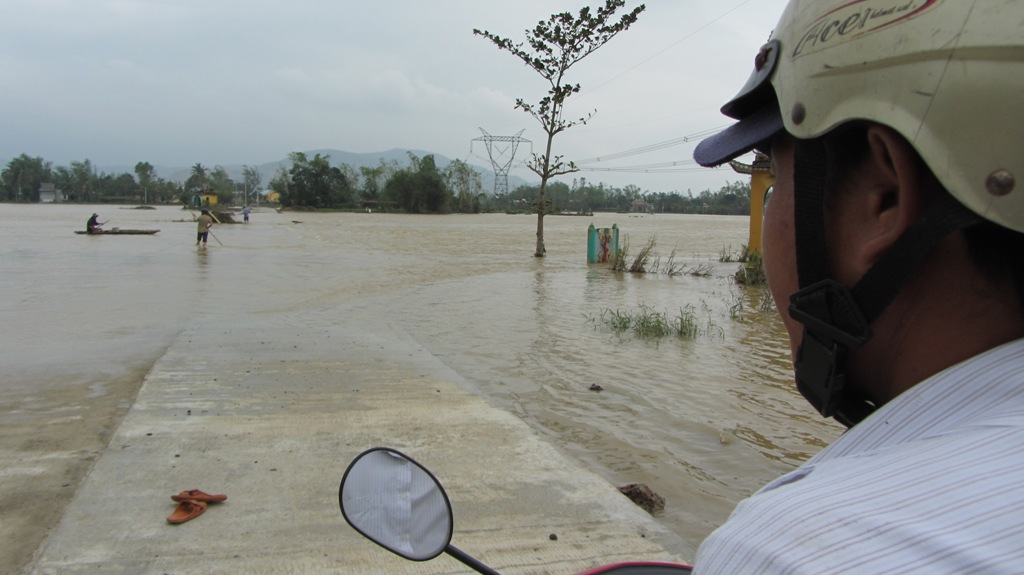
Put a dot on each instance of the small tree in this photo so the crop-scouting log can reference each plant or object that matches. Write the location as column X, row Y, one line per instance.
column 222, row 184
column 84, row 175
column 281, row 183
column 373, row 182
column 22, row 176
column 251, row 179
column 419, row 188
column 198, row 180
column 144, row 174
column 554, row 47
column 310, row 181
column 464, row 183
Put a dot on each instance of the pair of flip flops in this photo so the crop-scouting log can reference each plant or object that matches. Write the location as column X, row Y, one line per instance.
column 191, row 504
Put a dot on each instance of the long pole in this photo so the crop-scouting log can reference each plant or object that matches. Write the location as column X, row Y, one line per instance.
column 194, row 218
column 215, row 237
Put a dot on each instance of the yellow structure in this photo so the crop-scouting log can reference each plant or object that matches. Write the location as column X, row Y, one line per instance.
column 761, row 180
column 204, row 200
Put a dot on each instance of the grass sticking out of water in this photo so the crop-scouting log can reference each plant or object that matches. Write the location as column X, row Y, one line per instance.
column 618, row 263
column 639, row 264
column 701, row 270
column 649, row 323
column 648, row 261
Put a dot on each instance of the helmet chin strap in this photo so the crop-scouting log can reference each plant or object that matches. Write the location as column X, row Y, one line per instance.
column 836, row 319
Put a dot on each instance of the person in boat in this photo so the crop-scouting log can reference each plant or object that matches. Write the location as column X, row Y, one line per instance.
column 204, row 223
column 892, row 245
column 93, row 226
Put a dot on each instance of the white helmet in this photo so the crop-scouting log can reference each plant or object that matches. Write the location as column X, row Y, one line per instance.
column 946, row 74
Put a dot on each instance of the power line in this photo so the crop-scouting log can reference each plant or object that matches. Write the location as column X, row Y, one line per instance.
column 669, row 47
column 663, row 168
column 515, row 165
column 660, row 165
column 655, row 147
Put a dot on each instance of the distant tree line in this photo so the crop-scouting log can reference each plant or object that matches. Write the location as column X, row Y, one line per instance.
column 584, row 197
column 418, row 187
column 313, row 183
column 22, row 178
column 307, row 183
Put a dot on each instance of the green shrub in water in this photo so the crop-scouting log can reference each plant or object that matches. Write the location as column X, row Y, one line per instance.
column 751, row 273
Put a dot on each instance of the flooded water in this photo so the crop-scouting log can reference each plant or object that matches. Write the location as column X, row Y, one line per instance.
column 703, row 421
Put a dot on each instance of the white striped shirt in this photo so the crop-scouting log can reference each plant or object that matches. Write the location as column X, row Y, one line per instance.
column 932, row 482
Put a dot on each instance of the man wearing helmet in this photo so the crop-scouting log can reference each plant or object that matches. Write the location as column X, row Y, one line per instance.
column 894, row 249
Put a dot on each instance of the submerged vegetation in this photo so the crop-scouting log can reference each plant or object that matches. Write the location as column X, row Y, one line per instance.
column 648, row 261
column 647, row 322
column 751, row 271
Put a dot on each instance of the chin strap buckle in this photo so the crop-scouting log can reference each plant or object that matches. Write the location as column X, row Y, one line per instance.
column 833, row 325
column 828, row 309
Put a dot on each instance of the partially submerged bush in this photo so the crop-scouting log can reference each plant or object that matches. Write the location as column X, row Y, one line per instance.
column 751, row 273
column 639, row 264
column 224, row 217
column 618, row 261
column 647, row 322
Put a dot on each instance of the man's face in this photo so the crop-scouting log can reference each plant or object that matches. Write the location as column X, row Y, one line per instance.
column 778, row 237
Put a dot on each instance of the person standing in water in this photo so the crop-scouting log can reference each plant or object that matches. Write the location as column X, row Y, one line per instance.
column 205, row 222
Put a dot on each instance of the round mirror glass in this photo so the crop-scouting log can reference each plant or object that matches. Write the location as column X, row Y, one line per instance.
column 395, row 502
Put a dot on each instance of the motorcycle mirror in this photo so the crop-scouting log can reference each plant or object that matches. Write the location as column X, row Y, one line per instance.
column 395, row 502
column 392, row 500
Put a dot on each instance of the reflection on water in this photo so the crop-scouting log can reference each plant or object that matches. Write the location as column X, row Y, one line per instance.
column 704, row 422
column 202, row 262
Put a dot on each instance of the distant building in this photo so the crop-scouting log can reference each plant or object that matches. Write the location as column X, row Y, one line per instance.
column 204, row 200
column 641, row 207
column 48, row 194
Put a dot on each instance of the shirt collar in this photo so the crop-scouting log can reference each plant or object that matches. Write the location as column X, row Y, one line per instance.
column 985, row 385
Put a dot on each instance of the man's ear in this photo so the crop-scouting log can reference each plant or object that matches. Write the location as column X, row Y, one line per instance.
column 894, row 194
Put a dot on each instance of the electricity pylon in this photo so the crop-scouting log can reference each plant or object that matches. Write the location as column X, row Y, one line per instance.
column 501, row 165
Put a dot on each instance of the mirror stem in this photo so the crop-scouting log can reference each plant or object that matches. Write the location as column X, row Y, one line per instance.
column 469, row 561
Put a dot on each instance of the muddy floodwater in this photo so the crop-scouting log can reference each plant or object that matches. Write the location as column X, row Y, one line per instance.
column 703, row 421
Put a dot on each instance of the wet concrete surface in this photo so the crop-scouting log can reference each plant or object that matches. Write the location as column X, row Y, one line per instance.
column 272, row 416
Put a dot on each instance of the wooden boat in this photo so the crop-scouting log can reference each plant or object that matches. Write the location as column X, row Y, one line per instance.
column 119, row 232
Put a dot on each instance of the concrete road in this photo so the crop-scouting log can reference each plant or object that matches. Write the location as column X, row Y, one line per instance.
column 271, row 415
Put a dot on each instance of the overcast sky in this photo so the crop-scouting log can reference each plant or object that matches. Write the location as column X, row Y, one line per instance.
column 224, row 82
